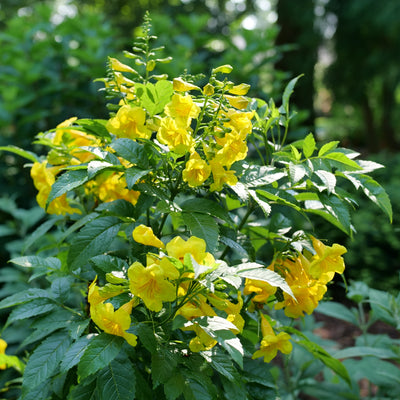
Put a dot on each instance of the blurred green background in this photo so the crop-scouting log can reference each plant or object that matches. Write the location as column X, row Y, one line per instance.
column 348, row 51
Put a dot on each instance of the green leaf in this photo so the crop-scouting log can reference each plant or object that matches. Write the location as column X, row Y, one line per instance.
column 265, row 207
column 24, row 297
column 273, row 197
column 146, row 335
column 39, row 232
column 260, row 272
column 96, row 166
column 69, row 180
column 46, row 325
column 132, row 151
column 96, row 127
column 84, row 391
column 44, row 361
column 332, row 209
column 101, row 350
column 223, row 365
column 328, row 179
column 40, row 392
column 327, row 147
column 94, row 239
column 32, row 309
column 108, row 263
column 74, row 354
column 206, row 206
column 20, row 152
column 154, row 97
column 203, row 226
column 163, row 364
column 319, row 353
column 118, row 208
column 342, row 159
column 117, row 380
column 288, row 92
column 174, row 386
column 220, row 330
column 366, row 351
column 375, row 192
column 256, row 175
column 309, row 145
column 133, row 174
column 61, row 288
column 52, row 263
column 337, row 310
column 296, row 172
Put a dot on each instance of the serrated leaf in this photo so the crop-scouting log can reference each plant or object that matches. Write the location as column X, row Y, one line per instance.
column 94, row 239
column 131, row 151
column 296, row 172
column 342, row 159
column 375, row 192
column 32, row 309
column 61, row 288
column 96, row 166
column 24, row 297
column 273, row 197
column 337, row 310
column 52, row 263
column 40, row 392
column 328, row 179
column 69, row 180
column 117, row 381
column 101, row 350
column 146, row 336
column 309, row 145
column 365, row 351
column 154, row 97
column 203, row 226
column 260, row 272
column 84, row 391
column 174, row 386
column 109, row 263
column 20, row 152
column 74, row 353
column 265, row 207
column 117, row 208
column 207, row 207
column 223, row 365
column 327, row 147
column 234, row 245
column 96, row 127
column 256, row 175
column 44, row 360
column 39, row 232
column 133, row 174
column 163, row 364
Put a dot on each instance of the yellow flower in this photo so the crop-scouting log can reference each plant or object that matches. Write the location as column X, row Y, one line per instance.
column 181, row 86
column 177, row 137
column 43, row 179
column 240, row 122
column 196, row 308
column 129, row 123
column 234, row 149
column 113, row 187
column 202, row 341
column 150, row 285
column 117, row 65
column 240, row 90
column 195, row 246
column 327, row 261
column 182, row 109
column 3, row 346
column 306, row 290
column 239, row 102
column 263, row 290
column 144, row 234
column 221, row 176
column 75, row 139
column 271, row 343
column 114, row 322
column 196, row 170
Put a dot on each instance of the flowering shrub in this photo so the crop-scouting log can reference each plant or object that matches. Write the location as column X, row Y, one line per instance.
column 178, row 266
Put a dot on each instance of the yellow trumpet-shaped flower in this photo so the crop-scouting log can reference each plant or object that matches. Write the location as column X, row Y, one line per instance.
column 181, row 86
column 177, row 137
column 306, row 290
column 263, row 290
column 221, row 176
column 129, row 123
column 195, row 246
column 3, row 346
column 114, row 322
column 196, row 171
column 182, row 109
column 144, row 234
column 117, row 65
column 272, row 343
column 150, row 284
column 327, row 261
column 43, row 179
